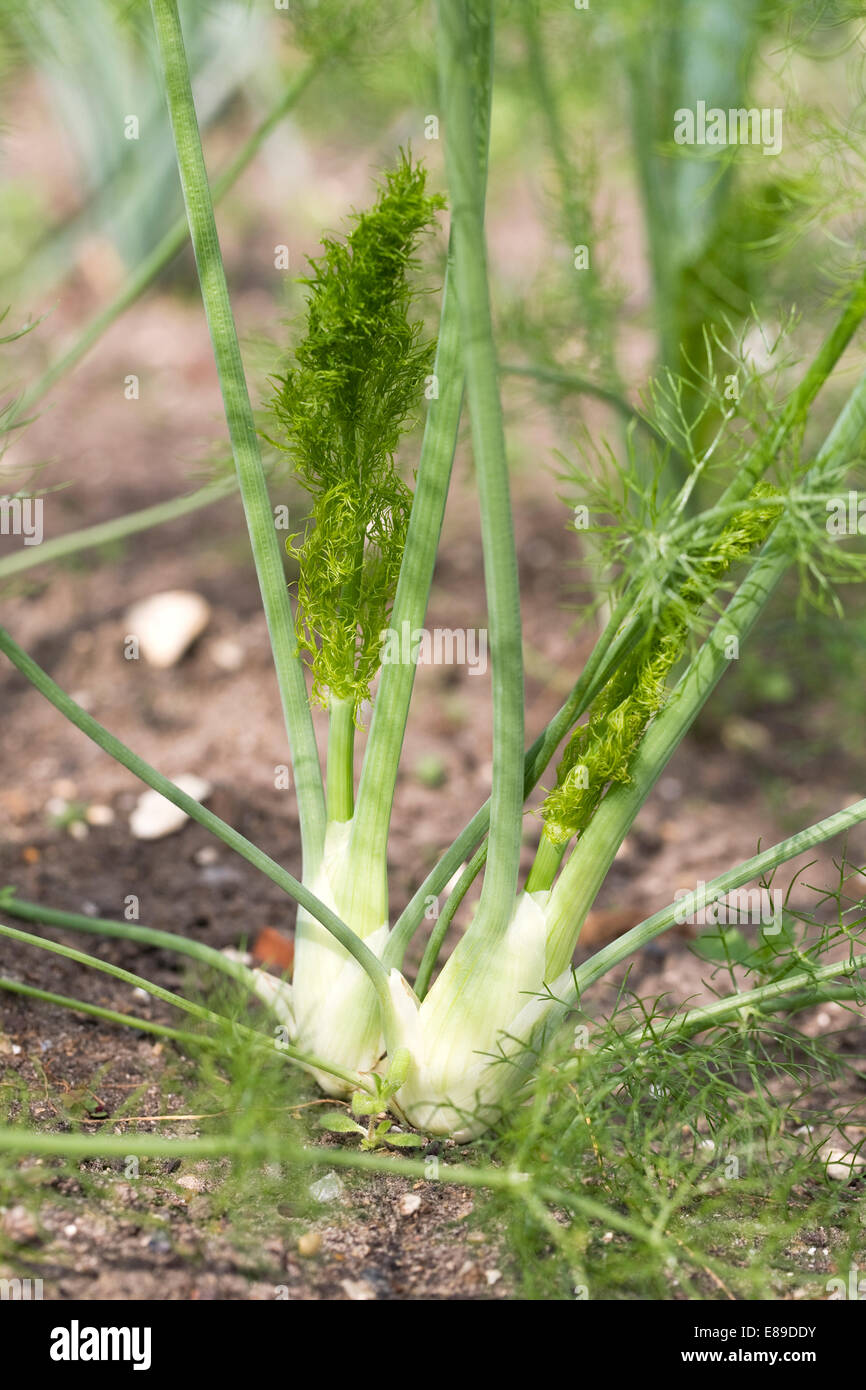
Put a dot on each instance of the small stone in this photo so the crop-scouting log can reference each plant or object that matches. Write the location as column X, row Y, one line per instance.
column 493, row 1276
column 77, row 830
column 208, row 854
column 309, row 1244
column 167, row 624
column 154, row 817
column 227, row 654
column 409, row 1203
column 843, row 1165
column 70, row 1230
column 272, row 948
column 19, row 1225
column 99, row 815
column 358, row 1290
column 191, row 1182
column 64, row 787
column 326, row 1189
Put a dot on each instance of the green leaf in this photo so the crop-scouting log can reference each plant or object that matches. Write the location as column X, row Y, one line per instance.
column 406, row 1141
column 338, row 1122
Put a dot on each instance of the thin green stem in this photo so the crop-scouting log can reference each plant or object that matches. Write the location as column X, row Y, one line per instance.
column 615, row 642
column 252, row 1035
column 445, row 918
column 387, row 730
column 757, row 1000
column 141, row 1025
column 126, row 976
column 580, row 385
column 109, row 532
column 488, row 443
column 242, row 430
column 545, row 865
column 757, row 867
column 112, row 745
column 128, row 931
column 341, row 763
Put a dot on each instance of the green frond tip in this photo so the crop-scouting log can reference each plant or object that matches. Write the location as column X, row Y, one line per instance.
column 357, row 380
column 600, row 751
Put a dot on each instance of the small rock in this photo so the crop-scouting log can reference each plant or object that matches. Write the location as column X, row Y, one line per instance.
column 99, row 815
column 326, row 1189
column 227, row 654
column 64, row 788
column 493, row 1276
column 309, row 1244
column 70, row 1230
column 358, row 1290
column 19, row 1225
column 409, row 1203
column 78, row 830
column 159, row 1244
column 154, row 817
column 167, row 624
column 191, row 1182
column 843, row 1165
column 208, row 854
column 272, row 948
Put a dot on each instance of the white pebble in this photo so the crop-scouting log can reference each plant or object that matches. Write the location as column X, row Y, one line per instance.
column 99, row 815
column 153, row 816
column 227, row 654
column 409, row 1203
column 326, row 1189
column 167, row 624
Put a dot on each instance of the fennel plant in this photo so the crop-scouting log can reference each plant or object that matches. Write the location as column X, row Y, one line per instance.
column 448, row 1052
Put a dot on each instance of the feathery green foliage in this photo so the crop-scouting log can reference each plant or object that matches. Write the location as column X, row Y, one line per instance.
column 343, row 407
column 599, row 751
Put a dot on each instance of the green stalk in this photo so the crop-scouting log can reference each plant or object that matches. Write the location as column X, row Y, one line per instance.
column 797, row 987
column 242, row 430
column 445, row 918
column 126, row 976
column 589, row 863
column 580, row 385
column 172, row 242
column 341, row 765
column 194, row 809
column 749, row 870
column 129, row 931
column 488, row 443
column 141, row 1025
column 396, row 680
column 611, row 646
column 545, row 865
column 304, row 1059
column 273, row 1148
column 107, row 532
column 391, row 710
